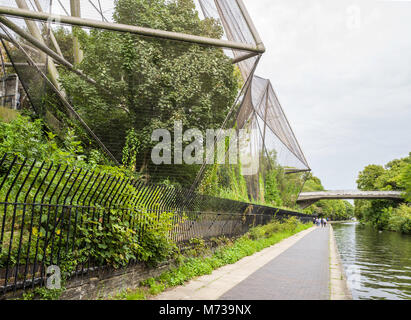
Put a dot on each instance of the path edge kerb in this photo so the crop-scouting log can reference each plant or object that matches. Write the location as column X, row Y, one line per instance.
column 339, row 289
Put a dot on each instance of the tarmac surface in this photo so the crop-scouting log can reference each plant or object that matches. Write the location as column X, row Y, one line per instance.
column 299, row 273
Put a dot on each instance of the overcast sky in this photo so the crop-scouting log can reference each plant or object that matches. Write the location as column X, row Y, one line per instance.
column 342, row 71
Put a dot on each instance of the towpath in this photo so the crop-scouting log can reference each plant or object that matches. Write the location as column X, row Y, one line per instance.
column 297, row 268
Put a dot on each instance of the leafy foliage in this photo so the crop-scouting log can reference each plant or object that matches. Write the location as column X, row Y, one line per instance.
column 28, row 139
column 146, row 84
column 385, row 214
column 115, row 242
column 405, row 180
column 130, row 149
column 272, row 194
column 399, row 219
column 275, row 187
column 112, row 241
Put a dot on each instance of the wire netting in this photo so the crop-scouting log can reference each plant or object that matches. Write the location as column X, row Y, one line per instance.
column 118, row 88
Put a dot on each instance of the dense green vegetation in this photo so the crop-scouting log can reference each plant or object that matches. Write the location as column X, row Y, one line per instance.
column 147, row 84
column 143, row 84
column 334, row 209
column 112, row 242
column 202, row 261
column 271, row 186
column 29, row 138
column 386, row 214
column 405, row 181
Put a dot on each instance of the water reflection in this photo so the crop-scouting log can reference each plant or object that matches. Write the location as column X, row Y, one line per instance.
column 377, row 264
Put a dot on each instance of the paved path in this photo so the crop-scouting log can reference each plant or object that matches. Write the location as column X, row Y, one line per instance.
column 295, row 268
column 299, row 273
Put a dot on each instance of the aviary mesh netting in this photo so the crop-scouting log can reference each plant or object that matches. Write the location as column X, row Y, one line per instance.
column 115, row 86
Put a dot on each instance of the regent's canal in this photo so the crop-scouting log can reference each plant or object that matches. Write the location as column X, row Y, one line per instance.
column 377, row 264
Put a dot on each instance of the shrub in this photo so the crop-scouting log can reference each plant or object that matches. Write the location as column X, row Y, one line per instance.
column 399, row 219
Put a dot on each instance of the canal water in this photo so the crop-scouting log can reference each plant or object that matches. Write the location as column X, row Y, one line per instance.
column 377, row 264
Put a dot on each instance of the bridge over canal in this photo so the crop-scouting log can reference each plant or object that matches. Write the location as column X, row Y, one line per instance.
column 308, row 198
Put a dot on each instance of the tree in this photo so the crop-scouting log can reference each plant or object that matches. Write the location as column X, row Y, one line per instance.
column 393, row 176
column 405, row 180
column 147, row 84
column 367, row 178
column 313, row 184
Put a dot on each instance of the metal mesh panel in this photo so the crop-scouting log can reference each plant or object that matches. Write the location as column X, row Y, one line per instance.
column 257, row 107
column 262, row 97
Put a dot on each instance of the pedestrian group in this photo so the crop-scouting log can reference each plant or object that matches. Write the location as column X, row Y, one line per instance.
column 320, row 222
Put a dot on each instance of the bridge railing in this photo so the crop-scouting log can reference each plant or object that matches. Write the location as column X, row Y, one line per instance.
column 349, row 194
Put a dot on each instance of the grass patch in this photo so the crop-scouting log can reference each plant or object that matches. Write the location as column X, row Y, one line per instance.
column 138, row 294
column 255, row 240
column 7, row 115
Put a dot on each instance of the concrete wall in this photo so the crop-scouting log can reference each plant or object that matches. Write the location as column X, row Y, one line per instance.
column 103, row 284
column 107, row 283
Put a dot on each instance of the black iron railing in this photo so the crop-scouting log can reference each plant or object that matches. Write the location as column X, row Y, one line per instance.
column 45, row 209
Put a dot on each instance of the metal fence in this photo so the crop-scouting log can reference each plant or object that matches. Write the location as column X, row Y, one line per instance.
column 44, row 208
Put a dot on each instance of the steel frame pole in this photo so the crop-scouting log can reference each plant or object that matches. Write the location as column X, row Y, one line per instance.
column 76, row 12
column 251, row 25
column 52, row 37
column 74, row 21
column 43, row 48
column 34, row 30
